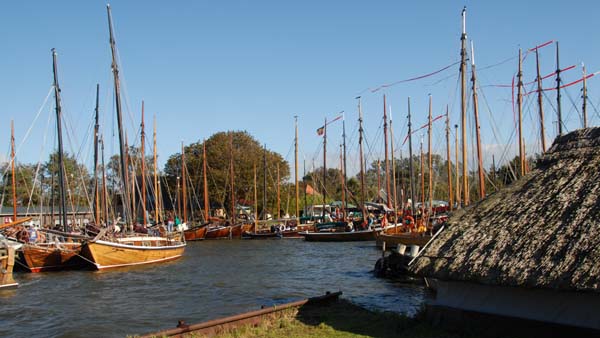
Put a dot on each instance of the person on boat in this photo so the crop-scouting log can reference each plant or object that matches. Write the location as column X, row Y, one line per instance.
column 170, row 223
column 33, row 235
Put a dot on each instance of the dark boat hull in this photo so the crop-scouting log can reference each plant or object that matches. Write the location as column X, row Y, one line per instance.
column 350, row 236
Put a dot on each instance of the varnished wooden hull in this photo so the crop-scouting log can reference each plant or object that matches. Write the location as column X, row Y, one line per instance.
column 350, row 236
column 195, row 234
column 392, row 240
column 50, row 257
column 234, row 231
column 131, row 251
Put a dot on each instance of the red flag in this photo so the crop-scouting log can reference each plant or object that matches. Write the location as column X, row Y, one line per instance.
column 321, row 131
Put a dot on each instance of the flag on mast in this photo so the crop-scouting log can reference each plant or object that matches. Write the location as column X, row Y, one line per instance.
column 321, row 131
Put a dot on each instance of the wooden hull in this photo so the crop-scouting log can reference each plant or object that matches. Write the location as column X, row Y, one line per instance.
column 350, row 236
column 234, row 231
column 50, row 256
column 7, row 262
column 195, row 234
column 131, row 251
column 261, row 235
column 392, row 240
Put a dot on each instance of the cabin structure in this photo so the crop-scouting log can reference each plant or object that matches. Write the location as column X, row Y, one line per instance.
column 529, row 252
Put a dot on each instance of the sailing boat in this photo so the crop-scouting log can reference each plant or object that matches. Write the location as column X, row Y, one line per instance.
column 110, row 252
column 198, row 232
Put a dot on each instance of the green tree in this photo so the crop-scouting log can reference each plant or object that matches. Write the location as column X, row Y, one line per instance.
column 77, row 180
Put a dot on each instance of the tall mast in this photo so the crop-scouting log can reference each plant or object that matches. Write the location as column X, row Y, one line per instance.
column 61, row 169
column 362, row 162
column 463, row 106
column 458, row 197
column 558, row 105
column 12, row 164
column 540, row 105
column 422, row 185
column 520, row 108
column 480, row 169
column 394, row 185
column 296, row 166
column 178, row 196
column 232, row 179
column 104, row 187
column 127, row 207
column 430, row 166
column 449, row 164
column 378, row 177
column 156, row 199
column 343, row 183
column 206, row 205
column 387, row 161
column 143, row 165
column 96, row 185
column 410, row 163
column 584, row 97
column 278, row 194
column 324, row 168
column 255, row 202
column 183, row 183
column 264, row 210
column 303, row 175
column 344, row 167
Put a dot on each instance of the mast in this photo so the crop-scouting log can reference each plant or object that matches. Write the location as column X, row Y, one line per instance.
column 61, row 169
column 278, row 194
column 296, row 166
column 410, row 164
column 387, row 161
column 378, row 177
column 255, row 202
column 463, row 106
column 324, row 168
column 127, row 207
column 430, row 166
column 584, row 97
column 178, row 196
column 104, row 187
column 232, row 180
column 456, row 164
column 304, row 175
column 206, row 204
column 96, row 185
column 156, row 199
column 395, row 199
column 558, row 105
column 449, row 164
column 12, row 165
column 480, row 169
column 362, row 170
column 540, row 105
column 264, row 210
column 183, row 184
column 422, row 185
column 143, row 141
column 520, row 108
column 344, row 167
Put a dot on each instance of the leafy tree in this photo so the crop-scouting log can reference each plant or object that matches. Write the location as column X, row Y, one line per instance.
column 77, row 180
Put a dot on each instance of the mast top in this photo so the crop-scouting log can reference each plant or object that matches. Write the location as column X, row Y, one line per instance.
column 464, row 21
column 472, row 54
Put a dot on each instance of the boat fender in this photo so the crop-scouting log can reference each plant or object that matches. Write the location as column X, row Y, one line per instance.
column 281, row 228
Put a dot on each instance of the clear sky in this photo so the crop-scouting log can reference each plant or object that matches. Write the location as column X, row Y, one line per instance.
column 209, row 66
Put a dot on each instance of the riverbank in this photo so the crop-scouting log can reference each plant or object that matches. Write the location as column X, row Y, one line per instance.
column 339, row 319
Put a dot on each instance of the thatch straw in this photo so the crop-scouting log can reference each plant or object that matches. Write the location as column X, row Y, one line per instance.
column 542, row 231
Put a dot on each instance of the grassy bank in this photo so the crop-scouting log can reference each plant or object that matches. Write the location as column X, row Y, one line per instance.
column 339, row 319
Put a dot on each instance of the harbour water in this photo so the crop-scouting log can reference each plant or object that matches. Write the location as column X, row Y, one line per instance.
column 213, row 279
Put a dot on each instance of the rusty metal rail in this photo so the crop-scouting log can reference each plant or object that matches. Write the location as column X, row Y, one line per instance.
column 215, row 326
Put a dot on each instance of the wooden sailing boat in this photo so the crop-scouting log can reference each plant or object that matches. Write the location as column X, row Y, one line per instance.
column 198, row 232
column 63, row 252
column 109, row 252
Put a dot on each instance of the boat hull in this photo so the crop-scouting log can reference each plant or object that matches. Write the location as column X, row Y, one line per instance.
column 7, row 262
column 392, row 240
column 350, row 236
column 131, row 252
column 195, row 234
column 234, row 231
column 261, row 235
column 50, row 257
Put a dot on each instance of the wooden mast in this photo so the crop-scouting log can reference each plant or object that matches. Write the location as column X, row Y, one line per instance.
column 156, row 195
column 324, row 169
column 278, row 194
column 232, row 179
column 178, row 196
column 204, row 174
column 422, row 185
column 378, row 177
column 183, row 183
column 12, row 166
column 430, row 162
column 394, row 185
column 520, row 109
column 343, row 183
column 458, row 195
column 558, row 81
column 143, row 165
column 410, row 164
column 584, row 97
column 463, row 106
column 127, row 206
column 480, row 169
column 449, row 164
column 264, row 206
column 96, row 185
column 387, row 160
column 296, row 167
column 540, row 104
column 61, row 169
column 344, row 169
column 104, row 187
column 255, row 202
column 362, row 170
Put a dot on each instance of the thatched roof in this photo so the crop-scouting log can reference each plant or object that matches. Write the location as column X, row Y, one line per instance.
column 543, row 231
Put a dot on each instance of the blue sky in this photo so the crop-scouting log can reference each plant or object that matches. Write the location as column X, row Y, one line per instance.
column 208, row 66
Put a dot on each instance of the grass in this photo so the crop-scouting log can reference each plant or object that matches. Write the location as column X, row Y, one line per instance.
column 340, row 319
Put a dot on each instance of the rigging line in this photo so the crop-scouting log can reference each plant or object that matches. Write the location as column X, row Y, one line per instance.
column 39, row 163
column 531, row 82
column 35, row 119
column 409, row 79
column 565, row 85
